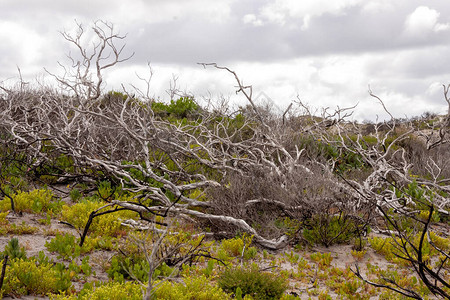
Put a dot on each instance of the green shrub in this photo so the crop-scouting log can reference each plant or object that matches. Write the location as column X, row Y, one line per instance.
column 75, row 269
column 181, row 108
column 75, row 195
column 252, row 282
column 209, row 268
column 288, row 225
column 13, row 170
column 105, row 190
column 65, row 245
column 13, row 250
column 421, row 198
column 126, row 267
column 198, row 288
column 389, row 248
column 135, row 266
column 328, row 230
column 402, row 278
column 174, row 249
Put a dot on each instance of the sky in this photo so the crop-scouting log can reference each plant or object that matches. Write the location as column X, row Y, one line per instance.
column 325, row 53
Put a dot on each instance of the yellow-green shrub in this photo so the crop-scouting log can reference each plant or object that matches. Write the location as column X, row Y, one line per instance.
column 198, row 288
column 234, row 247
column 388, row 247
column 27, row 277
column 440, row 242
column 132, row 262
column 110, row 290
column 19, row 229
column 385, row 247
column 322, row 259
column 3, row 223
column 36, row 201
column 402, row 279
column 108, row 224
column 259, row 285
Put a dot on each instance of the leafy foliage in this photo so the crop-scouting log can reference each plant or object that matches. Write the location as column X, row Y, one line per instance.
column 13, row 250
column 178, row 109
column 108, row 224
column 193, row 288
column 259, row 285
column 237, row 247
column 122, row 268
column 328, row 230
column 109, row 290
column 28, row 277
column 35, row 201
column 65, row 245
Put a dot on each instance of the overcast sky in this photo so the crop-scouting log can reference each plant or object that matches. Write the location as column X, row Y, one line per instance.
column 325, row 52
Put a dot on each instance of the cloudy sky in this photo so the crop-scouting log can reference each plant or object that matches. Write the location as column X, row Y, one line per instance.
column 324, row 52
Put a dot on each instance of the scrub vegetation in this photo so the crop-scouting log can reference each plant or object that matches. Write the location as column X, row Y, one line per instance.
column 135, row 198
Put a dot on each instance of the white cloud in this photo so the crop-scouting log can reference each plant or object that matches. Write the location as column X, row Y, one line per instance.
column 252, row 19
column 441, row 27
column 280, row 11
column 423, row 21
column 21, row 42
column 306, row 22
column 435, row 88
column 379, row 6
column 217, row 11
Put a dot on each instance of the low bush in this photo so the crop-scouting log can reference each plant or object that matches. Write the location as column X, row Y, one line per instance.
column 322, row 259
column 108, row 224
column 14, row 229
column 401, row 277
column 13, row 250
column 109, row 290
column 36, row 201
column 65, row 245
column 235, row 247
column 388, row 247
column 124, row 267
column 175, row 249
column 252, row 282
column 75, row 195
column 327, row 230
column 28, row 277
column 198, row 288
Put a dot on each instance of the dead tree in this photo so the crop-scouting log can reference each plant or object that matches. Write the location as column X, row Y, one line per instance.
column 438, row 133
column 151, row 157
column 397, row 193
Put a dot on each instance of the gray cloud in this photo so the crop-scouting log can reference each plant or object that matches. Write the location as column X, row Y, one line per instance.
column 326, row 53
column 187, row 40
